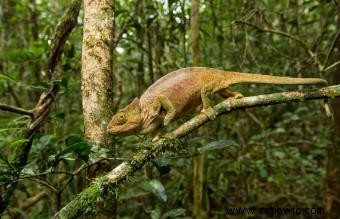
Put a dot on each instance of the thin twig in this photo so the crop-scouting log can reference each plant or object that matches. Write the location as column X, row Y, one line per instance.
column 332, row 66
column 279, row 32
column 331, row 48
column 15, row 109
column 304, row 45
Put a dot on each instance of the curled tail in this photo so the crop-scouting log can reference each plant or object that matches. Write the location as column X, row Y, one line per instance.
column 239, row 77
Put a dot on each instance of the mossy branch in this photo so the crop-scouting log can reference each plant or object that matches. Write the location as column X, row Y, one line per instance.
column 95, row 194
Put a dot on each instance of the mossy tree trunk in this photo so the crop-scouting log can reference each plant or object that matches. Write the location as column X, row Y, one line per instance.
column 97, row 82
column 198, row 161
column 97, row 69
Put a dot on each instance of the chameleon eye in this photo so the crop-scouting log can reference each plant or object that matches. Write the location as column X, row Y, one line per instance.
column 121, row 119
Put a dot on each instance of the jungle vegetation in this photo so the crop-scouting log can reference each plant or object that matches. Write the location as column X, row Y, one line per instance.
column 53, row 144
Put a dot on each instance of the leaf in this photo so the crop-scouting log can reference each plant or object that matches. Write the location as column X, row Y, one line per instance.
column 63, row 82
column 83, row 150
column 40, row 85
column 157, row 188
column 218, row 145
column 98, row 151
column 76, row 145
column 18, row 142
column 73, row 140
column 7, row 78
column 154, row 213
column 197, row 139
column 162, row 166
column 2, row 142
column 60, row 115
column 174, row 213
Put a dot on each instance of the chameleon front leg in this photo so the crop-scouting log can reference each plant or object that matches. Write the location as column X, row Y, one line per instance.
column 168, row 107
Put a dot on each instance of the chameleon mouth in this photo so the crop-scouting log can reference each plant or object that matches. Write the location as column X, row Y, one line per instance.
column 122, row 130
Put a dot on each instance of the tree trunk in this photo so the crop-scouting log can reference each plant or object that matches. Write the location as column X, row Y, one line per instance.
column 97, row 69
column 198, row 161
column 332, row 196
column 195, row 28
column 97, row 81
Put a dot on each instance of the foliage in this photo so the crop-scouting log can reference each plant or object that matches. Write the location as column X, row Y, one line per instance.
column 270, row 156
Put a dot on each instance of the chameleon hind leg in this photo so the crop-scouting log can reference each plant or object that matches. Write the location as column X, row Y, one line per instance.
column 211, row 88
column 230, row 94
column 166, row 104
column 227, row 93
column 206, row 92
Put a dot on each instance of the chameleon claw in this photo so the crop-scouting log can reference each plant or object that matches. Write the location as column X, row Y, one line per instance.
column 156, row 138
column 238, row 95
column 166, row 122
column 210, row 112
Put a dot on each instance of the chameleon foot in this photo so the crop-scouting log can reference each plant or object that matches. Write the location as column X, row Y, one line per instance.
column 237, row 95
column 210, row 112
column 156, row 138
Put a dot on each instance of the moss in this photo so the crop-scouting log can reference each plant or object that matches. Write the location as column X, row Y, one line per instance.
column 332, row 93
column 152, row 150
column 19, row 155
column 89, row 199
column 95, row 56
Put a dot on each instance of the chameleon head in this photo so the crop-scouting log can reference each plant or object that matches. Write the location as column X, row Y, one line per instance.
column 127, row 120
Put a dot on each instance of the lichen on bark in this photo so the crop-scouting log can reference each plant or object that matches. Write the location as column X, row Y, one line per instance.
column 97, row 69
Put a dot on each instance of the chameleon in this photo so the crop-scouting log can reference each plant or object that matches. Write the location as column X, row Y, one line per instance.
column 181, row 92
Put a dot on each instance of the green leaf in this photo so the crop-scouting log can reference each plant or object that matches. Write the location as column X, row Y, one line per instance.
column 76, row 145
column 60, row 115
column 197, row 139
column 218, row 145
column 73, row 140
column 2, row 142
column 7, row 78
column 63, row 82
column 154, row 213
column 174, row 213
column 40, row 85
column 157, row 188
column 98, row 151
column 18, row 142
column 162, row 166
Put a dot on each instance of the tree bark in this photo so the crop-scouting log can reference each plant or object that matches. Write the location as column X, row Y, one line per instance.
column 198, row 161
column 332, row 194
column 97, row 69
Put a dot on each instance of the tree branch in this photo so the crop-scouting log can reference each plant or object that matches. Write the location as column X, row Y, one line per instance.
column 331, row 48
column 304, row 45
column 14, row 109
column 279, row 32
column 332, row 66
column 95, row 194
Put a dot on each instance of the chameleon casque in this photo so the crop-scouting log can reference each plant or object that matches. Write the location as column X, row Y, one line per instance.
column 181, row 92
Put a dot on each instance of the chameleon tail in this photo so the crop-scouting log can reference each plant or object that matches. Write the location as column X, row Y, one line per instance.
column 239, row 77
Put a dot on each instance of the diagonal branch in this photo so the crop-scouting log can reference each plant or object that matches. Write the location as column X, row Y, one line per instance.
column 15, row 109
column 95, row 194
column 20, row 152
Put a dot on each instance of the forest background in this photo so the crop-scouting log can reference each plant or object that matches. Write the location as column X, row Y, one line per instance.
column 284, row 155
